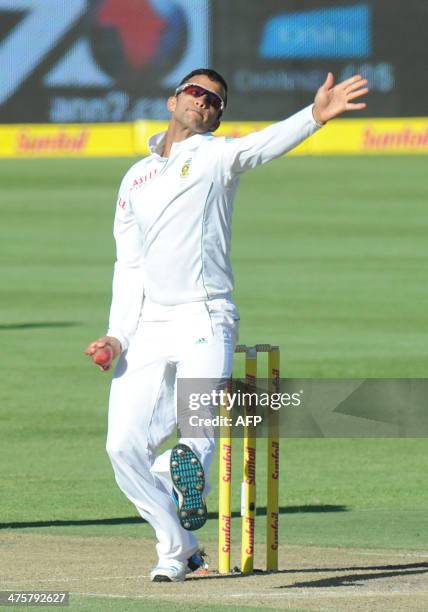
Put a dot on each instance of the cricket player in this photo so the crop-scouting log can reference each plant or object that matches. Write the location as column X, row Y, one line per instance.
column 172, row 314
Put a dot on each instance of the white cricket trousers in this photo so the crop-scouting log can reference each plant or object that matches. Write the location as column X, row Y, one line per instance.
column 194, row 340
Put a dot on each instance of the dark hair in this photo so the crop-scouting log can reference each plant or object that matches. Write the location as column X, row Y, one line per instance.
column 211, row 74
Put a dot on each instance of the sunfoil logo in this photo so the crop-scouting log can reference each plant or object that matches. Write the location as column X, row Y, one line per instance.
column 340, row 32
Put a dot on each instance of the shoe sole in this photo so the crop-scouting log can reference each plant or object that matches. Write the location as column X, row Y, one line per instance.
column 188, row 480
column 159, row 578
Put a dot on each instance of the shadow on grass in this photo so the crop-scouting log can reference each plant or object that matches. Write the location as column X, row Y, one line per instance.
column 129, row 520
column 407, row 569
column 353, row 579
column 38, row 325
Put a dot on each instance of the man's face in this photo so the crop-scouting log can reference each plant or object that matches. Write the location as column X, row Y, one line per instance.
column 196, row 113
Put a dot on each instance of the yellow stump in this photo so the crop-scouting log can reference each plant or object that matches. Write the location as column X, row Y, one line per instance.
column 248, row 491
column 272, row 508
column 224, row 494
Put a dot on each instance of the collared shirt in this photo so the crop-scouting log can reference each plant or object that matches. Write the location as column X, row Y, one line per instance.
column 173, row 218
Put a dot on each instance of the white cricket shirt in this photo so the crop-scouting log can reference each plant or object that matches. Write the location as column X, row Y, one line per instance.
column 173, row 218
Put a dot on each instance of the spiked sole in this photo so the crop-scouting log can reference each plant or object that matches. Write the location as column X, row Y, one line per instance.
column 188, row 479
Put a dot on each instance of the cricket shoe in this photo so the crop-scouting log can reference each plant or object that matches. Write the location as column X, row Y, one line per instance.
column 198, row 561
column 176, row 571
column 172, row 571
column 188, row 480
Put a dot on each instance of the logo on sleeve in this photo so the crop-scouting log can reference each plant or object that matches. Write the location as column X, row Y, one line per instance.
column 139, row 181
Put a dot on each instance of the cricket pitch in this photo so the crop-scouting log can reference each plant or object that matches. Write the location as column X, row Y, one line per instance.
column 310, row 578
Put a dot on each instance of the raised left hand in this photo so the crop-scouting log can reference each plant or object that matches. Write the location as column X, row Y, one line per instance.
column 333, row 100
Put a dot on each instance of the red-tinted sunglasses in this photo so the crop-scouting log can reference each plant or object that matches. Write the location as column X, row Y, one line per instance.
column 195, row 90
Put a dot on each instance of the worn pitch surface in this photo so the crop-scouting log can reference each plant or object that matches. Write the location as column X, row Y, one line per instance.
column 310, row 578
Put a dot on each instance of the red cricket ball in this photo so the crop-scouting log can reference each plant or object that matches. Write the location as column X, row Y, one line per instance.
column 103, row 356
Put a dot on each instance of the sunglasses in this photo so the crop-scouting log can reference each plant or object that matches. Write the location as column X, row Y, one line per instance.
column 197, row 91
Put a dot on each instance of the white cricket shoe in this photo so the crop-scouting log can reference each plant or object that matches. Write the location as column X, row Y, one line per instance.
column 176, row 571
column 171, row 571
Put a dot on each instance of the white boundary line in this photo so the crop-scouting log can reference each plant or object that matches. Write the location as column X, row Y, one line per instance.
column 87, row 578
column 295, row 595
column 412, row 555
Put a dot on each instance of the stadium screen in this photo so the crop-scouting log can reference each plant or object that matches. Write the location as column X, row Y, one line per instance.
column 117, row 60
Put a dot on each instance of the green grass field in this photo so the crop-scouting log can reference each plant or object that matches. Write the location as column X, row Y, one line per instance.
column 330, row 262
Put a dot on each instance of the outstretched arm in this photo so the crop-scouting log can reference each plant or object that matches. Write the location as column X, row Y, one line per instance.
column 333, row 100
column 241, row 154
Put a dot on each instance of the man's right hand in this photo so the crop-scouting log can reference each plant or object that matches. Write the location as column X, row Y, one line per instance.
column 101, row 343
column 333, row 100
